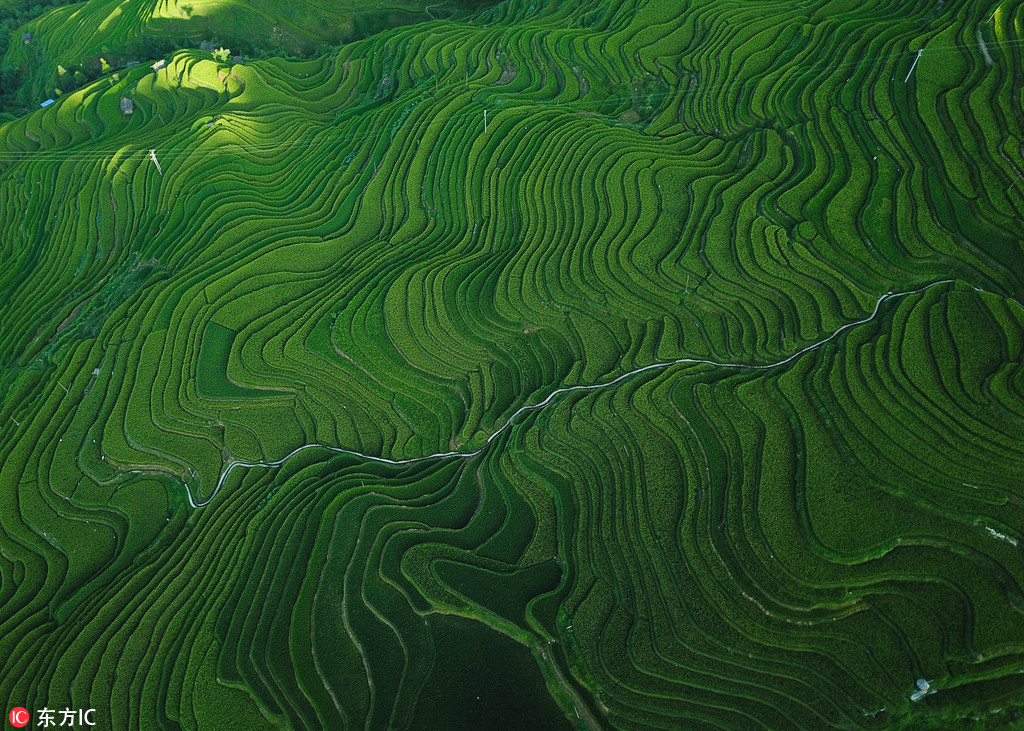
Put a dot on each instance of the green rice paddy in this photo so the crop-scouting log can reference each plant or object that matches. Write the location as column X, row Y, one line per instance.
column 596, row 364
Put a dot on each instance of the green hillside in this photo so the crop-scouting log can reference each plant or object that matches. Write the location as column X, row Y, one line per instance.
column 65, row 48
column 629, row 364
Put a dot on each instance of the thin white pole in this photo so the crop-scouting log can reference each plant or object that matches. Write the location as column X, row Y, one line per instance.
column 913, row 65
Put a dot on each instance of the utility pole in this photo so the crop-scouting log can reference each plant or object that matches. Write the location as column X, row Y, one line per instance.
column 913, row 65
column 485, row 121
column 152, row 156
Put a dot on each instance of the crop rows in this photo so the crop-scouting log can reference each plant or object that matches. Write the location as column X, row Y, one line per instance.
column 393, row 248
column 47, row 59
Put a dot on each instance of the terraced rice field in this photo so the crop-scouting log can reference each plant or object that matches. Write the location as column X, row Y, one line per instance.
column 81, row 37
column 627, row 364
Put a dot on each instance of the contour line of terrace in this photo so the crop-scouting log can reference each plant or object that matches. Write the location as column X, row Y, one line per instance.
column 230, row 466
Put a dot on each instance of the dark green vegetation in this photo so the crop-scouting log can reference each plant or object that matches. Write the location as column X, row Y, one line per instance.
column 337, row 254
column 13, row 15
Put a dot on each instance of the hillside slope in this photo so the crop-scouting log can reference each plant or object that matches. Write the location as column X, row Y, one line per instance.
column 673, row 348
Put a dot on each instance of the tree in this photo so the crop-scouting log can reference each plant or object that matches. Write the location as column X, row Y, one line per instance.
column 65, row 82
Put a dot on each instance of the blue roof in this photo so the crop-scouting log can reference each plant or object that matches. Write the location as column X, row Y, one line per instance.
column 47, row 103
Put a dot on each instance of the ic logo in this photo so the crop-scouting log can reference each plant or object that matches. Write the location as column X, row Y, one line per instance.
column 18, row 717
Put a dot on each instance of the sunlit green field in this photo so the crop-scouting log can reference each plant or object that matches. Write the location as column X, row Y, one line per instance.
column 634, row 365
